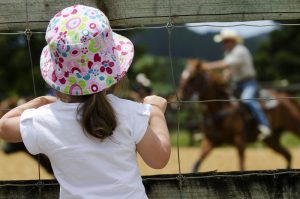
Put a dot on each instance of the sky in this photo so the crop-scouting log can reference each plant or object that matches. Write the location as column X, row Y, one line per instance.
column 245, row 29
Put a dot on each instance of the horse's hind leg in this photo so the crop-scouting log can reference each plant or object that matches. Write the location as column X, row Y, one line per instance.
column 206, row 148
column 274, row 143
column 240, row 144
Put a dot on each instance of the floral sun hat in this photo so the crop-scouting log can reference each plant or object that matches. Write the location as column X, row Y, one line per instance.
column 83, row 55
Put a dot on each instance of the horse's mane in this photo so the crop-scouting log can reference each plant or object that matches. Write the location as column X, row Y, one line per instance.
column 215, row 77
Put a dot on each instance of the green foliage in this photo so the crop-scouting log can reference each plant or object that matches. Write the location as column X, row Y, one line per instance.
column 278, row 58
column 16, row 75
column 183, row 138
column 290, row 140
column 158, row 70
column 15, row 70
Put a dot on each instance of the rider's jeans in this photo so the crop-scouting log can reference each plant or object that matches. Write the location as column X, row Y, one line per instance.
column 248, row 90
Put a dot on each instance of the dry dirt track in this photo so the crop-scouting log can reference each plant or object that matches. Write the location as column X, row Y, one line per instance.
column 20, row 166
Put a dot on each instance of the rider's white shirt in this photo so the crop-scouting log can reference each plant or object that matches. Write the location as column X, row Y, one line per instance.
column 240, row 61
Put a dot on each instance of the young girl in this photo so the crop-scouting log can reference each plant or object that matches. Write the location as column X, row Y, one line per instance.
column 90, row 135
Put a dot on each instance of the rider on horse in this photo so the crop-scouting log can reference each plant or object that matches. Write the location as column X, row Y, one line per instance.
column 238, row 61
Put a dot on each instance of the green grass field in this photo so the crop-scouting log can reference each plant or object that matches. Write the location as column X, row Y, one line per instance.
column 288, row 140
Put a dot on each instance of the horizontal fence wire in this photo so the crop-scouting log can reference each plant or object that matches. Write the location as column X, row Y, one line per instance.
column 212, row 100
column 195, row 25
column 233, row 100
column 190, row 25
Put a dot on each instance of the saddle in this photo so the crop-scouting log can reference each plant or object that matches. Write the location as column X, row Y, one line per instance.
column 268, row 101
column 250, row 123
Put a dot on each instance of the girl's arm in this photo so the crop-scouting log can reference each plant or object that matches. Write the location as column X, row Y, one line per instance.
column 155, row 147
column 10, row 122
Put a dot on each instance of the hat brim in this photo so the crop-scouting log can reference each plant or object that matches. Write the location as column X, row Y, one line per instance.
column 220, row 38
column 124, row 55
column 123, row 51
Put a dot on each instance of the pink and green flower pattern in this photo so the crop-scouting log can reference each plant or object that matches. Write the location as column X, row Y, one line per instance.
column 84, row 55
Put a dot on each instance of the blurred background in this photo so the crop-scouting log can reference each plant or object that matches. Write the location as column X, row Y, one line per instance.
column 275, row 48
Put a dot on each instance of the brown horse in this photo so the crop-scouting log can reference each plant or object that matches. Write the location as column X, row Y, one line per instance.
column 229, row 122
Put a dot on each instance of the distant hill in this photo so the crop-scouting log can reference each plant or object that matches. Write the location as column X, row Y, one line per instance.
column 186, row 43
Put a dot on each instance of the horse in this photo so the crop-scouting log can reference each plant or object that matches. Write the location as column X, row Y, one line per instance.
column 10, row 148
column 228, row 122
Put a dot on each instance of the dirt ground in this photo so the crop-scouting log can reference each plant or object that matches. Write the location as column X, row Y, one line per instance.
column 20, row 166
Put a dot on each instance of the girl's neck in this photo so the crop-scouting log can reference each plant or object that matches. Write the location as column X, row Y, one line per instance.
column 70, row 99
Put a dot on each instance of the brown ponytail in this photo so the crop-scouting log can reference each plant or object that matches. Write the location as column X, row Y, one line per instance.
column 97, row 117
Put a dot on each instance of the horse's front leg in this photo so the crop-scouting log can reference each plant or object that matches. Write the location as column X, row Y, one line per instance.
column 239, row 142
column 206, row 147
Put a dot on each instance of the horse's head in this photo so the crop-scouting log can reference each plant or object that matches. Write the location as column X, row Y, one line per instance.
column 192, row 79
column 197, row 80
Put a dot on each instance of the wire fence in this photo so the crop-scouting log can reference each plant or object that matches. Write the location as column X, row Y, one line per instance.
column 169, row 26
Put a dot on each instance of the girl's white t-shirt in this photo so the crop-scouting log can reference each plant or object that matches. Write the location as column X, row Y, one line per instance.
column 84, row 166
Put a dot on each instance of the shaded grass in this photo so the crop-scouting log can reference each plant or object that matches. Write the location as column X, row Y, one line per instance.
column 183, row 138
column 288, row 140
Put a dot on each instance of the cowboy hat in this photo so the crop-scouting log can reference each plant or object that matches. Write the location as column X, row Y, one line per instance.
column 228, row 34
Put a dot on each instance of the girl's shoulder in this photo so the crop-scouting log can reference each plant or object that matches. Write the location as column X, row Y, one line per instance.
column 120, row 104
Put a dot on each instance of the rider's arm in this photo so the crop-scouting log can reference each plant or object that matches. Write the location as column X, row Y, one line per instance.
column 220, row 64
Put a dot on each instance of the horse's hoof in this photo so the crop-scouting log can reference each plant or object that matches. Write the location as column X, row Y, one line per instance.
column 195, row 167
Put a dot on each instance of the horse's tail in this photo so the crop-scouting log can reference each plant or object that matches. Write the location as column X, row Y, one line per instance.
column 289, row 113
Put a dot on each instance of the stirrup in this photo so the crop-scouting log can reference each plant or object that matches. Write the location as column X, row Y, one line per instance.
column 264, row 132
